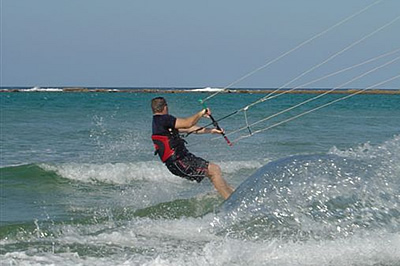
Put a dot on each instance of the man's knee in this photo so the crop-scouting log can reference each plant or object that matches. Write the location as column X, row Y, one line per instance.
column 214, row 170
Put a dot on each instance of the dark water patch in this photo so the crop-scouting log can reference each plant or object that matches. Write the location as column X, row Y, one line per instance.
column 194, row 207
column 29, row 176
column 29, row 193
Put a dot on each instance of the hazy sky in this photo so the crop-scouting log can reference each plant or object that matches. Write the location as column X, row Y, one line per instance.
column 185, row 43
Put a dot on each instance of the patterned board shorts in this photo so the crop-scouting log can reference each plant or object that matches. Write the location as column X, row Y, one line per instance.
column 189, row 166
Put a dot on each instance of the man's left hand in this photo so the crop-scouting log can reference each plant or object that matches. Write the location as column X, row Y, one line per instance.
column 216, row 131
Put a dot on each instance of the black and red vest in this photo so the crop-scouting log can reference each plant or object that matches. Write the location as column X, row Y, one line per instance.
column 163, row 147
column 168, row 143
column 170, row 146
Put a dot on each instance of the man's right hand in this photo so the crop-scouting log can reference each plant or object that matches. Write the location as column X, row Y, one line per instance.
column 207, row 112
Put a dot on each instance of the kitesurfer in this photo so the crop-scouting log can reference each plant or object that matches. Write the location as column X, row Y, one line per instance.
column 170, row 146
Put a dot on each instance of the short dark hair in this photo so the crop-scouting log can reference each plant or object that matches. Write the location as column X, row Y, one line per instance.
column 158, row 104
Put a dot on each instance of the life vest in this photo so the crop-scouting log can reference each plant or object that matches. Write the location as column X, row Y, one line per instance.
column 163, row 147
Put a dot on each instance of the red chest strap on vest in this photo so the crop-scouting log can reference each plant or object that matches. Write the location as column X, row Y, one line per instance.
column 162, row 146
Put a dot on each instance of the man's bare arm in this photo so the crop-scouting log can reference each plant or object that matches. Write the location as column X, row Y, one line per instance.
column 200, row 130
column 186, row 123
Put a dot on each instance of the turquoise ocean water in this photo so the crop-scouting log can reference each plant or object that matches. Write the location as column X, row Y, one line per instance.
column 80, row 184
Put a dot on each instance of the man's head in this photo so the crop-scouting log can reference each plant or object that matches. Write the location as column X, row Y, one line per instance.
column 158, row 104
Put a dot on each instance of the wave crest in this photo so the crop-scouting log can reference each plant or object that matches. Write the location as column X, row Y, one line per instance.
column 125, row 173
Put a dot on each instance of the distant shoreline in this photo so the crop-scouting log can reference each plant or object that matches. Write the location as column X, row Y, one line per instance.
column 198, row 90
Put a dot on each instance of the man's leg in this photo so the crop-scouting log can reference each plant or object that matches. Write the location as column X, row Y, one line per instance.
column 214, row 173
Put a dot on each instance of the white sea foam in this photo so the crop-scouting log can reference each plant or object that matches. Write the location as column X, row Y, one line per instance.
column 207, row 89
column 189, row 242
column 114, row 173
column 359, row 250
column 389, row 150
column 125, row 173
column 39, row 89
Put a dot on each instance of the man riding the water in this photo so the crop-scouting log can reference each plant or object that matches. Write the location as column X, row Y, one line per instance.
column 172, row 150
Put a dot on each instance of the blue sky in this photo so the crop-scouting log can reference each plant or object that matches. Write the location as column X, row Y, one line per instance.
column 158, row 43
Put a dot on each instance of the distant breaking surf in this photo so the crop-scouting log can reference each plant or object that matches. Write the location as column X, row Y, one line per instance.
column 207, row 89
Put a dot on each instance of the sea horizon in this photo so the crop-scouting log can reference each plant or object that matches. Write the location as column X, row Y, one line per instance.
column 198, row 89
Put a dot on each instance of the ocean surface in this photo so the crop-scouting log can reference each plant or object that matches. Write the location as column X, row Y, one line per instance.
column 80, row 184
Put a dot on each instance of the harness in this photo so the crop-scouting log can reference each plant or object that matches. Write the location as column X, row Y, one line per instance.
column 168, row 147
column 163, row 147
